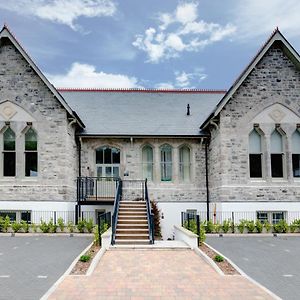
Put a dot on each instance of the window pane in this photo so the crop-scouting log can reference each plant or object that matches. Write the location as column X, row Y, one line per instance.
column 26, row 216
column 30, row 140
column 147, row 154
column 99, row 156
column 9, row 138
column 116, row 172
column 12, row 215
column 108, row 171
column 276, row 142
column 166, row 163
column 255, row 165
column 147, row 161
column 277, row 165
column 254, row 142
column 9, row 164
column 184, row 160
column 115, row 156
column 296, row 142
column 296, row 165
column 31, row 164
column 107, row 156
column 277, row 216
column 262, row 216
column 99, row 171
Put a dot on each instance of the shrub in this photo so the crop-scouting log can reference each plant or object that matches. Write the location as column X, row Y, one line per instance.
column 16, row 226
column 80, row 226
column 6, row 224
column 70, row 226
column 202, row 236
column 1, row 223
column 241, row 226
column 209, row 228
column 267, row 226
column 44, row 227
column 218, row 258
column 156, row 218
column 61, row 224
column 24, row 226
column 218, row 227
column 85, row 258
column 226, row 226
column 34, row 227
column 89, row 225
column 52, row 226
column 281, row 227
column 250, row 225
column 259, row 226
column 295, row 225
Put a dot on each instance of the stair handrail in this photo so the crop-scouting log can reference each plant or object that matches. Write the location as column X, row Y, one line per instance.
column 116, row 211
column 150, row 216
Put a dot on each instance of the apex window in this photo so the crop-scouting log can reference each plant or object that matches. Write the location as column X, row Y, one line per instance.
column 276, row 154
column 296, row 153
column 255, row 154
column 31, row 154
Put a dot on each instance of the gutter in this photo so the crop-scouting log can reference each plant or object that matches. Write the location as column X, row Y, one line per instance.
column 141, row 136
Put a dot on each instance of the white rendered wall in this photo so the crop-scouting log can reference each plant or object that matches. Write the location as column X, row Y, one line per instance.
column 171, row 211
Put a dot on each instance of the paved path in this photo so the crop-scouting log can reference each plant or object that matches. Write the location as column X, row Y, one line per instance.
column 156, row 274
column 30, row 265
column 272, row 261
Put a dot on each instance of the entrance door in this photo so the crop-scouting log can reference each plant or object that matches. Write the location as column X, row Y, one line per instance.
column 108, row 170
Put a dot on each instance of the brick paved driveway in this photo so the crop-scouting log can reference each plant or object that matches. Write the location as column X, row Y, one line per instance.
column 156, row 274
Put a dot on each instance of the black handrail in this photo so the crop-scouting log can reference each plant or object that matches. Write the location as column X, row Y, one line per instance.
column 88, row 187
column 116, row 211
column 150, row 215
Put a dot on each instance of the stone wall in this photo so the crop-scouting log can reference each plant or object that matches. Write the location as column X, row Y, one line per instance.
column 131, row 163
column 57, row 163
column 270, row 95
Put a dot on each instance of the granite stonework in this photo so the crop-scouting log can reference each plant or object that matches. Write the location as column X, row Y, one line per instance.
column 270, row 95
column 131, row 163
column 57, row 157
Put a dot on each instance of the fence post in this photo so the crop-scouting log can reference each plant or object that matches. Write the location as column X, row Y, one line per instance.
column 27, row 216
column 54, row 217
column 188, row 217
column 198, row 228
column 182, row 218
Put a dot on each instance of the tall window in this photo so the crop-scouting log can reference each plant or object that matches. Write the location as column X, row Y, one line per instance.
column 255, row 154
column 166, row 163
column 296, row 153
column 276, row 154
column 31, row 154
column 147, row 162
column 108, row 162
column 184, row 163
column 9, row 153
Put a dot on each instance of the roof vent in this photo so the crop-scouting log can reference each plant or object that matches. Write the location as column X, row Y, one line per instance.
column 188, row 110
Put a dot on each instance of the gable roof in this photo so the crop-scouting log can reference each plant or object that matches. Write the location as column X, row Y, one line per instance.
column 289, row 51
column 135, row 112
column 6, row 33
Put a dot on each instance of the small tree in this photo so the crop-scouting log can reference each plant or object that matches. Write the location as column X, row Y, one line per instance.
column 156, row 213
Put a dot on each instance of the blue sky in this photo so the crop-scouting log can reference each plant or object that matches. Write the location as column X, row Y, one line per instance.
column 147, row 44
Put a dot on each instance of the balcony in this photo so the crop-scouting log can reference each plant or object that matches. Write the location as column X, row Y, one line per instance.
column 96, row 190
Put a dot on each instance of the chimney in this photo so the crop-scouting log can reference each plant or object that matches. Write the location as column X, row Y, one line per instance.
column 188, row 110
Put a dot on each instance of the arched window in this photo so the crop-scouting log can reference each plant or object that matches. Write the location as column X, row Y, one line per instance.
column 147, row 162
column 296, row 153
column 31, row 154
column 166, row 162
column 276, row 154
column 108, row 162
column 184, row 163
column 9, row 153
column 255, row 154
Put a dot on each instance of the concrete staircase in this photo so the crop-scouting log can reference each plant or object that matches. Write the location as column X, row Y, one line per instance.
column 132, row 224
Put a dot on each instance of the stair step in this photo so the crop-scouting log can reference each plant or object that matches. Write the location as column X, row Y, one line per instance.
column 133, row 209
column 121, row 236
column 133, row 202
column 132, row 221
column 133, row 217
column 132, row 231
column 132, row 226
column 130, row 213
column 132, row 242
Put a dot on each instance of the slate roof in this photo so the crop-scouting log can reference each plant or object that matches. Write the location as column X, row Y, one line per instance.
column 142, row 112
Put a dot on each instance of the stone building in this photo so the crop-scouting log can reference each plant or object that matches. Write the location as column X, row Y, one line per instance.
column 223, row 154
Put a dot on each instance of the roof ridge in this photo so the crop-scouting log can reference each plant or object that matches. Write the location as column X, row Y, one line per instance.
column 142, row 90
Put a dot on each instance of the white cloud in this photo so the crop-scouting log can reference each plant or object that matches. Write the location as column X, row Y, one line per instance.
column 86, row 76
column 256, row 18
column 186, row 34
column 61, row 11
column 184, row 80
